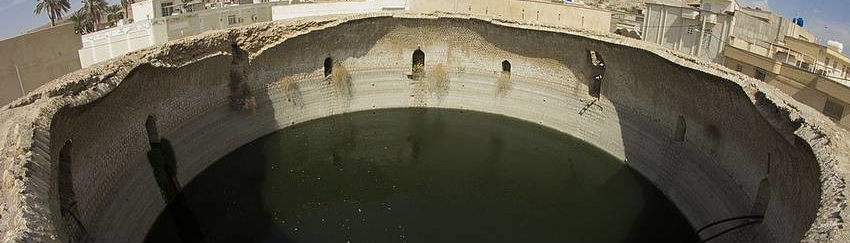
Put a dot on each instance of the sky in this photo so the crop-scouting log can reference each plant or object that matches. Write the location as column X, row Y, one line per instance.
column 828, row 19
column 16, row 16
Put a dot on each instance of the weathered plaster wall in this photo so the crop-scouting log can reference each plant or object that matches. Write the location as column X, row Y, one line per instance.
column 738, row 132
column 40, row 56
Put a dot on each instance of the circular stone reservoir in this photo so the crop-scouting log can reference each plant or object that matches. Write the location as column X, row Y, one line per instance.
column 401, row 126
column 420, row 175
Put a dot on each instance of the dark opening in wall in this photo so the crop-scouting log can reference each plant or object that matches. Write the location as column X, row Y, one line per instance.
column 506, row 66
column 681, row 128
column 150, row 126
column 833, row 109
column 760, row 75
column 67, row 198
column 329, row 66
column 66, row 181
column 597, row 73
column 418, row 62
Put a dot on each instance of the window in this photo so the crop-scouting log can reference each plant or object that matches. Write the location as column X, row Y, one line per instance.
column 833, row 109
column 739, row 67
column 167, row 8
column 329, row 66
column 760, row 75
column 708, row 39
column 506, row 66
column 418, row 62
column 231, row 19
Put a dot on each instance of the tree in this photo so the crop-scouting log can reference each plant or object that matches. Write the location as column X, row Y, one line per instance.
column 82, row 25
column 54, row 9
column 113, row 14
column 126, row 4
column 95, row 11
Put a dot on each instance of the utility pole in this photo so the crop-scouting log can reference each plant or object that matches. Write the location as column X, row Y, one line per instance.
column 20, row 82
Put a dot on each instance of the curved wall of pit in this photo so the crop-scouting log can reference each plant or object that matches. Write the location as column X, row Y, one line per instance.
column 718, row 145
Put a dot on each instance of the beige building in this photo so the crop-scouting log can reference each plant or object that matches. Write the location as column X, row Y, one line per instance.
column 773, row 49
column 33, row 59
column 700, row 30
column 546, row 12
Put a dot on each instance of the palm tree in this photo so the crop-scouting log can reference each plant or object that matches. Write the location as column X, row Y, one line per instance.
column 113, row 14
column 82, row 25
column 126, row 5
column 95, row 9
column 54, row 9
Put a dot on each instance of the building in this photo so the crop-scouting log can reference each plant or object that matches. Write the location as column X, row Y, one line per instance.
column 771, row 48
column 700, row 30
column 35, row 58
column 158, row 21
column 561, row 13
column 290, row 11
column 757, row 43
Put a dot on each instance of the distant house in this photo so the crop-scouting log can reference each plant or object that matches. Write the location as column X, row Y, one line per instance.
column 760, row 44
column 701, row 30
column 777, row 51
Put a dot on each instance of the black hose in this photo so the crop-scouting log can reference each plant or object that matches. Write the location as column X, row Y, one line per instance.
column 729, row 230
column 758, row 217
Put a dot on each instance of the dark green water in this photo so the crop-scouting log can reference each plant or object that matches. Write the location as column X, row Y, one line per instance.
column 420, row 175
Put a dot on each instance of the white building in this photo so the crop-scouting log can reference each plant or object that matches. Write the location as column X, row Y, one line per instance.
column 700, row 30
column 158, row 21
column 328, row 8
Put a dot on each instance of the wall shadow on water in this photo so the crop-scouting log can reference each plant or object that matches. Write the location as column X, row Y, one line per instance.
column 177, row 214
